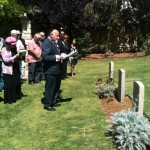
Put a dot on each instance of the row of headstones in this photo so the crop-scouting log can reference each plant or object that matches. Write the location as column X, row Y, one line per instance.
column 138, row 89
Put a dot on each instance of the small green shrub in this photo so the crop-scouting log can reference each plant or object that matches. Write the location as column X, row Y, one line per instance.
column 105, row 89
column 130, row 130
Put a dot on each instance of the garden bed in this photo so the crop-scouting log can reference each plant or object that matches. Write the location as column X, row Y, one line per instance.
column 113, row 105
column 117, row 55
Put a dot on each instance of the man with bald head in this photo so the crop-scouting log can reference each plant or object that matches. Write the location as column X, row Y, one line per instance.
column 52, row 62
column 33, row 55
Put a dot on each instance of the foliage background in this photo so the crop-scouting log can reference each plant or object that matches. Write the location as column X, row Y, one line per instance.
column 102, row 25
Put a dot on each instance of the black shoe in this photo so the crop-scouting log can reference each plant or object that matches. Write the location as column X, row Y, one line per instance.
column 31, row 82
column 59, row 96
column 57, row 105
column 5, row 102
column 37, row 81
column 50, row 108
column 63, row 78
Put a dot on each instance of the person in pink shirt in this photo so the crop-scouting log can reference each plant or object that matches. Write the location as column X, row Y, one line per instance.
column 33, row 57
column 11, row 72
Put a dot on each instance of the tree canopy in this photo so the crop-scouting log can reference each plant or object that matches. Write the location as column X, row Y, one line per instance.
column 64, row 13
column 105, row 21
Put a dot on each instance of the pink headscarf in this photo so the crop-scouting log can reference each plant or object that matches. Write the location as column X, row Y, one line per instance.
column 11, row 40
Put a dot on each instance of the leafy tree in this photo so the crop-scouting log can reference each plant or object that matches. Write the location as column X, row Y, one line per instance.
column 135, row 16
column 102, row 16
column 10, row 14
column 106, row 23
column 119, row 22
column 58, row 13
column 139, row 12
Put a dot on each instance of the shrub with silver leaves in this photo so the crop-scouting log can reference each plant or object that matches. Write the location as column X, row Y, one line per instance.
column 130, row 130
column 105, row 89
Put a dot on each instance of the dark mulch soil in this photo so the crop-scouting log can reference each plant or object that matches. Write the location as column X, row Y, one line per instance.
column 118, row 55
column 112, row 105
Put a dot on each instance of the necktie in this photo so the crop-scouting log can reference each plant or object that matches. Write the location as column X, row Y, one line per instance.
column 57, row 46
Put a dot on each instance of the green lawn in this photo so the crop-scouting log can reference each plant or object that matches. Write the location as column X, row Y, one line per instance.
column 80, row 122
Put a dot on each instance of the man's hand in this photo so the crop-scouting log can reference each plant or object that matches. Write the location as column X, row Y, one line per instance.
column 62, row 56
column 17, row 55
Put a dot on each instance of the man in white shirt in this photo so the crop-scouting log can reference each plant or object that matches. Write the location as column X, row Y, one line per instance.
column 1, row 42
column 20, row 47
column 1, row 73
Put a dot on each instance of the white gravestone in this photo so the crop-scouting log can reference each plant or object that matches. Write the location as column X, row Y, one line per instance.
column 121, row 85
column 111, row 70
column 138, row 97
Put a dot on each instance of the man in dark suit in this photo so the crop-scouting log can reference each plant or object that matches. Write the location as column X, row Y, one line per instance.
column 51, row 65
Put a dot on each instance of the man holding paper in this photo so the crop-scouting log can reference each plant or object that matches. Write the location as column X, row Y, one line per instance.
column 52, row 69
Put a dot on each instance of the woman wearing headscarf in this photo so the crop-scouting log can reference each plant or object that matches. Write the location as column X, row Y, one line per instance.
column 11, row 72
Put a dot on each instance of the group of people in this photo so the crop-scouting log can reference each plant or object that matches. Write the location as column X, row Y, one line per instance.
column 47, row 60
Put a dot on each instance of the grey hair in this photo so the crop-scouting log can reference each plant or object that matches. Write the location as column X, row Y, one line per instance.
column 52, row 31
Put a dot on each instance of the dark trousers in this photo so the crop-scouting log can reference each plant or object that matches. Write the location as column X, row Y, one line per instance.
column 1, row 77
column 12, row 94
column 42, row 72
column 64, row 69
column 52, row 87
column 34, row 71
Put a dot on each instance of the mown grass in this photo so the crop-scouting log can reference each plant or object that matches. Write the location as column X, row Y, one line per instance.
column 80, row 122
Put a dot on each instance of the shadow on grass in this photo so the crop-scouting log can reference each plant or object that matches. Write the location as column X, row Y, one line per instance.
column 65, row 100
column 61, row 100
column 111, row 136
column 1, row 99
column 23, row 95
column 146, row 116
column 43, row 100
column 69, row 74
column 19, row 98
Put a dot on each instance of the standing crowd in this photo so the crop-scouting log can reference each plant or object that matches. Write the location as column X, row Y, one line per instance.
column 47, row 60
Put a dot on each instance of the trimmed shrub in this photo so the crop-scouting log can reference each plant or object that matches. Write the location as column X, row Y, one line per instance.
column 105, row 89
column 130, row 130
